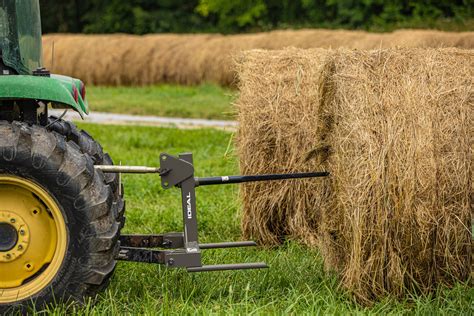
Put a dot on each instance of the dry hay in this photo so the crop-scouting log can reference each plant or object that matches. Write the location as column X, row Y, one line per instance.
column 193, row 59
column 395, row 129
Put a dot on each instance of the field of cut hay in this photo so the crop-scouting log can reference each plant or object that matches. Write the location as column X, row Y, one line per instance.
column 395, row 129
column 192, row 59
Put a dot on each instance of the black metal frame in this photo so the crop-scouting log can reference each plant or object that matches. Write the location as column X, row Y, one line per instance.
column 186, row 253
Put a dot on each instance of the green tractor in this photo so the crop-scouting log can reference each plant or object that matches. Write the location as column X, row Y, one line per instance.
column 61, row 199
column 60, row 218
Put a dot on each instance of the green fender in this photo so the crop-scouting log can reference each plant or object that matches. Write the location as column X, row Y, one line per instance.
column 56, row 89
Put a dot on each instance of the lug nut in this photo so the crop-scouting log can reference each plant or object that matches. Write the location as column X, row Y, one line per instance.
column 22, row 232
column 12, row 220
column 8, row 256
column 20, row 247
column 170, row 262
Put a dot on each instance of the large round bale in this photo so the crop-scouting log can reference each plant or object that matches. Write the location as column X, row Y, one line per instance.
column 121, row 59
column 394, row 129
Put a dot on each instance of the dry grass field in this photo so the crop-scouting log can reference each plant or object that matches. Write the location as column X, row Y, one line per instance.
column 193, row 59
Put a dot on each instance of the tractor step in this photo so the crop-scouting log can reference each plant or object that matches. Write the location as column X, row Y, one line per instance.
column 223, row 267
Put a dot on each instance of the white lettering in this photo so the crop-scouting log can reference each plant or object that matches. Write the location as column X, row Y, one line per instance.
column 189, row 208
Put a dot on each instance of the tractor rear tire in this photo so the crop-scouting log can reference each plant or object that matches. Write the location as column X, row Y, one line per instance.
column 51, row 191
column 89, row 146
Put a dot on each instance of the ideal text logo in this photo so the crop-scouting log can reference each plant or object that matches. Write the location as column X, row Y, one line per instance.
column 188, row 206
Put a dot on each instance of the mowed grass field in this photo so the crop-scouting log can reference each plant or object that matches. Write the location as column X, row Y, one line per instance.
column 295, row 283
column 204, row 101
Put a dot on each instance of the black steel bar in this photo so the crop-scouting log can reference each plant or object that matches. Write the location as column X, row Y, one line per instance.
column 141, row 241
column 168, row 240
column 253, row 178
column 228, row 245
column 222, row 267
column 141, row 255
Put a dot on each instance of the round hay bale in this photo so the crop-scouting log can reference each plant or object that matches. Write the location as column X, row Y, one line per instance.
column 394, row 128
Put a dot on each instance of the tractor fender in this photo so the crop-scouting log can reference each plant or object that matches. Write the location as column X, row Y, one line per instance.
column 57, row 89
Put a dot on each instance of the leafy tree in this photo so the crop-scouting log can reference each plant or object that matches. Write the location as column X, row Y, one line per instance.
column 234, row 14
column 63, row 16
column 231, row 16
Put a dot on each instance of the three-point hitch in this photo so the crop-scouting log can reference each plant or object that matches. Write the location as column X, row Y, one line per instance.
column 179, row 172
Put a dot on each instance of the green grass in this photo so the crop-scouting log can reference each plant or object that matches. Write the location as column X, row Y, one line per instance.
column 204, row 101
column 295, row 283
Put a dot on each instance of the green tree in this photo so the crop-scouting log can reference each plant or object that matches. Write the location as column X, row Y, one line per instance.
column 63, row 16
column 234, row 14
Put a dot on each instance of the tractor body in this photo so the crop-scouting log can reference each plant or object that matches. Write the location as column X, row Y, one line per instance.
column 20, row 34
column 60, row 219
column 22, row 78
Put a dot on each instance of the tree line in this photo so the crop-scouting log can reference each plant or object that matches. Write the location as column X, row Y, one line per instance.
column 233, row 16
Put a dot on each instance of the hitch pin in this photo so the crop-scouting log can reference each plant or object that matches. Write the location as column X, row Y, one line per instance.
column 128, row 169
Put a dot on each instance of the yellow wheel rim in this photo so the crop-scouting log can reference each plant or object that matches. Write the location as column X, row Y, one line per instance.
column 33, row 238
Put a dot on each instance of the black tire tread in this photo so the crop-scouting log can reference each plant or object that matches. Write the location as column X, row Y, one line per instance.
column 91, row 147
column 92, row 209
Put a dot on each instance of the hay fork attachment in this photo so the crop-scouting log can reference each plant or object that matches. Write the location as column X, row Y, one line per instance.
column 179, row 172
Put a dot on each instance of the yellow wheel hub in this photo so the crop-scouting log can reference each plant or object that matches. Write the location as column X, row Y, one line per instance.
column 16, row 236
column 33, row 238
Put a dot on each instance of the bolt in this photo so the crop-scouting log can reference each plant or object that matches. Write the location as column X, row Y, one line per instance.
column 8, row 256
column 12, row 220
column 22, row 232
column 170, row 261
column 20, row 247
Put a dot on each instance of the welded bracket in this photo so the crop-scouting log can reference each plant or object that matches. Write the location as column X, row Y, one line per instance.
column 175, row 170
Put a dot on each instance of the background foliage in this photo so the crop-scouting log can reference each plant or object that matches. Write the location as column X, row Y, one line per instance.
column 231, row 16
